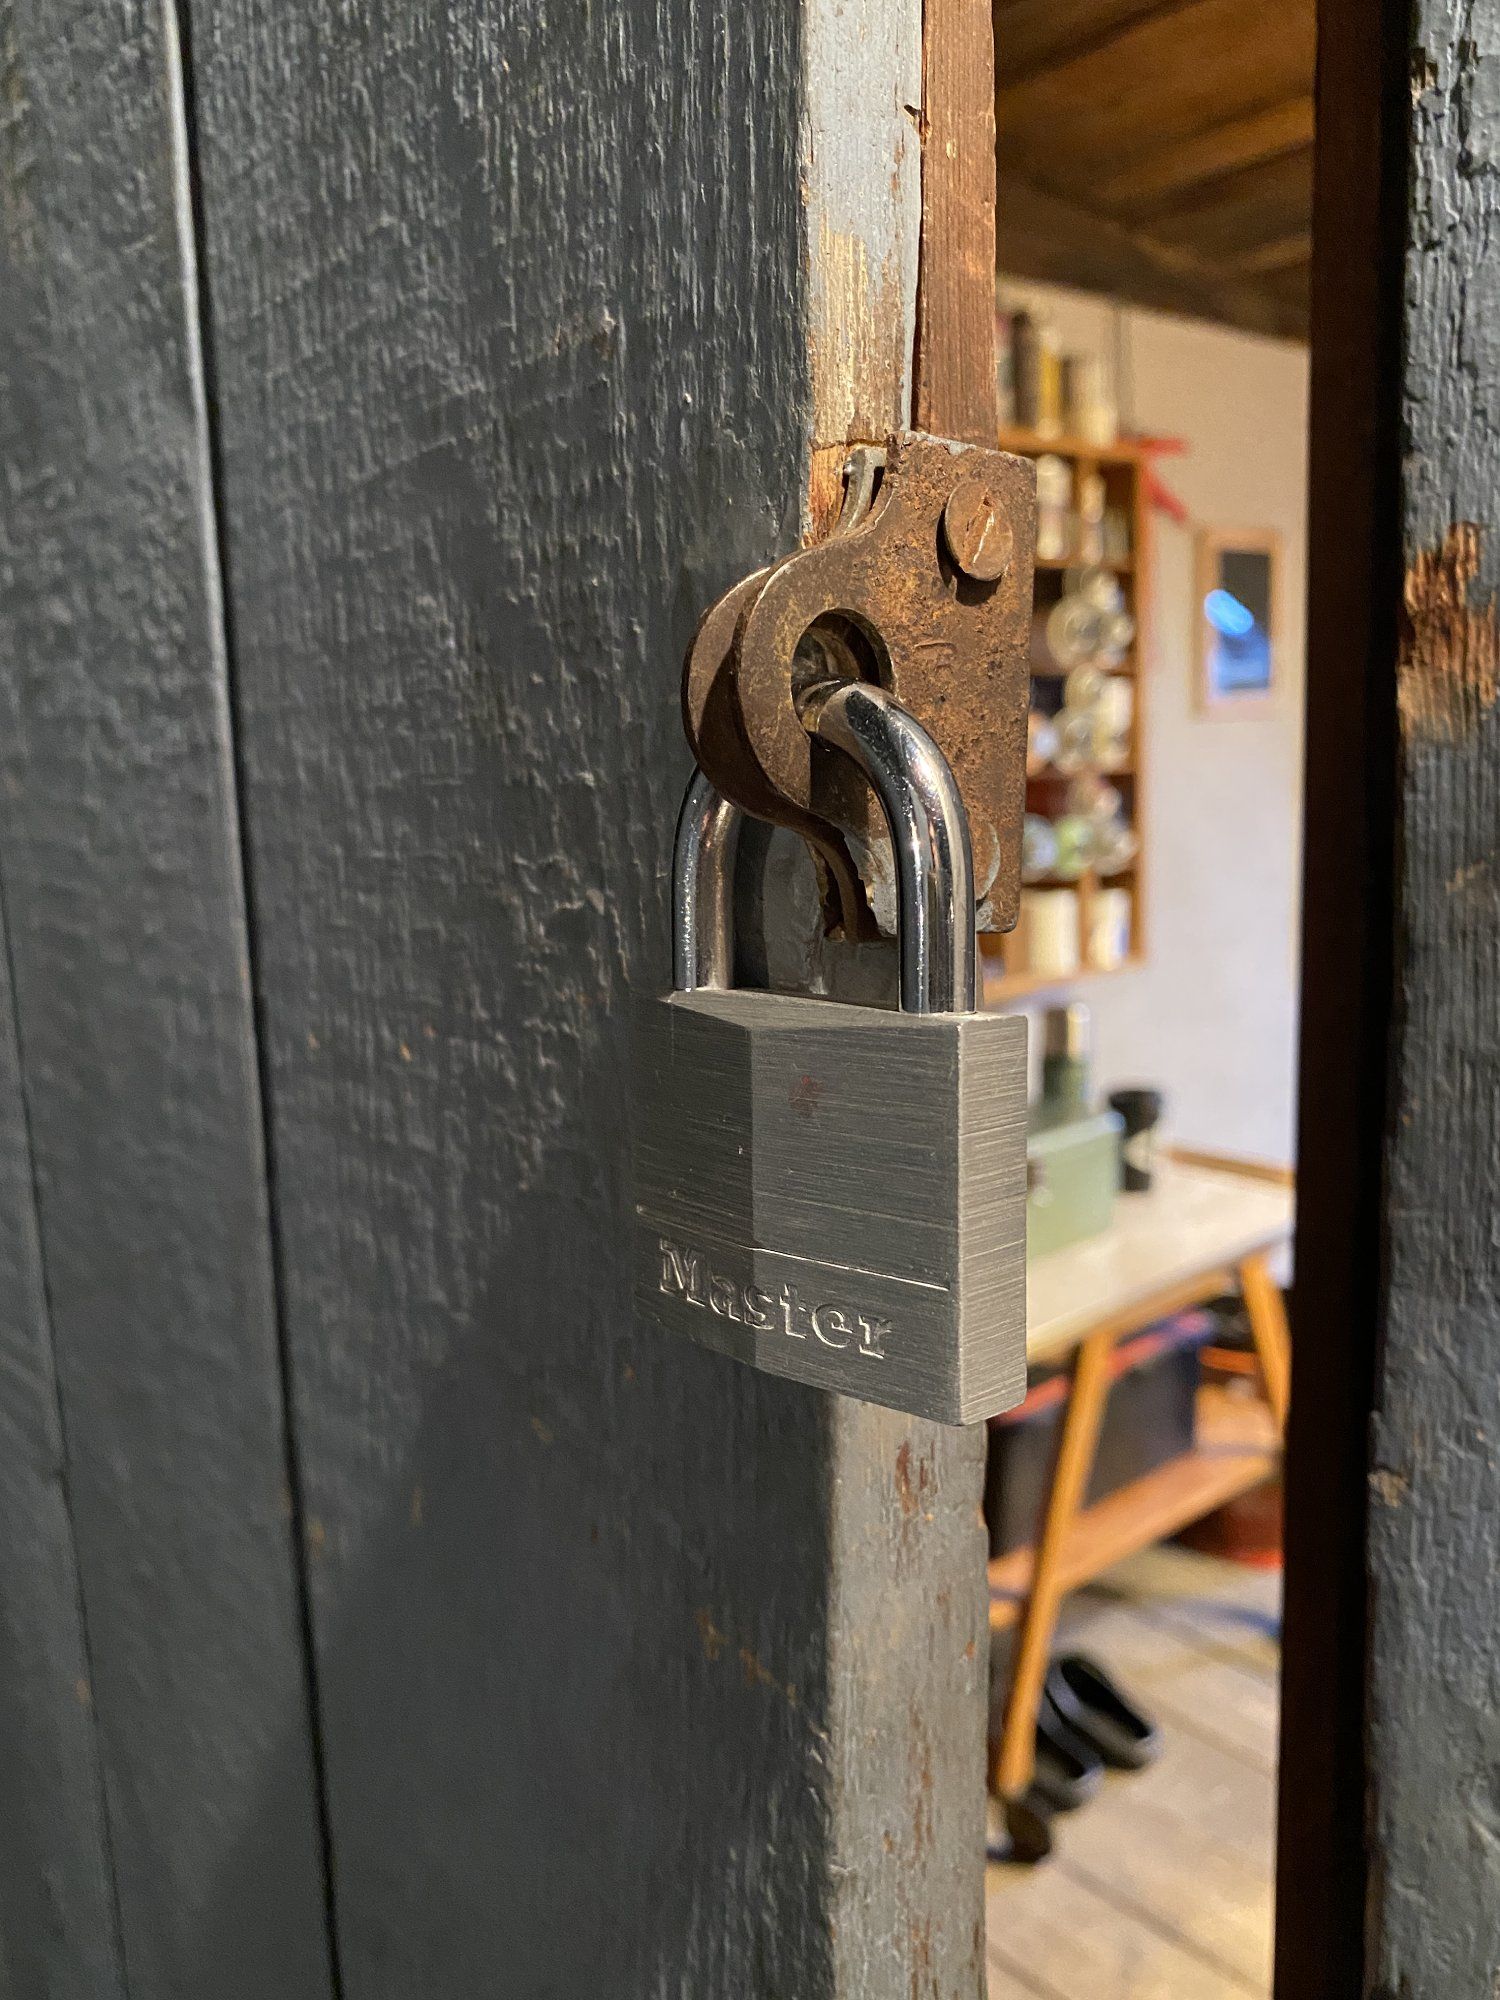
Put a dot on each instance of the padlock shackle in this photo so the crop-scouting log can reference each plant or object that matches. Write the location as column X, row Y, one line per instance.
column 929, row 837
column 708, row 831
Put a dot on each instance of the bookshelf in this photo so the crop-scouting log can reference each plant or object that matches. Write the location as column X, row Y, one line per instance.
column 1009, row 972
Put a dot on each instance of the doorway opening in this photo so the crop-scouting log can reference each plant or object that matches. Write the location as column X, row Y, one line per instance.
column 1154, row 203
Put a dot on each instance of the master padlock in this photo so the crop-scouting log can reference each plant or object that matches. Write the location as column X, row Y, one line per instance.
column 833, row 1193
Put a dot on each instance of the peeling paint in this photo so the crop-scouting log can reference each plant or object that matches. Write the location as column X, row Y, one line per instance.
column 1450, row 648
column 859, row 339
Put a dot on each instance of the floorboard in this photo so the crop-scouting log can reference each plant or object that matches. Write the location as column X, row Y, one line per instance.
column 1161, row 1887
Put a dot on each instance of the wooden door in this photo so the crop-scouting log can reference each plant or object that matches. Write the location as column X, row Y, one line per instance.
column 385, row 391
column 1389, row 1867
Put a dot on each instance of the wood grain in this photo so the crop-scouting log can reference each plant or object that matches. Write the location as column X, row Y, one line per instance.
column 58, row 1933
column 122, row 889
column 633, row 1664
column 1149, row 151
column 1434, row 1490
column 1217, row 1689
column 861, row 78
column 1187, row 1635
column 1032, row 35
column 956, row 388
column 1172, row 74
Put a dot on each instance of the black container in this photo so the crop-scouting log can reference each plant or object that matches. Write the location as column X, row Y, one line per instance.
column 1141, row 1111
column 1148, row 1420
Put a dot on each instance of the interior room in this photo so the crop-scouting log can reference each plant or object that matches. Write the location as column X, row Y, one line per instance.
column 1154, row 216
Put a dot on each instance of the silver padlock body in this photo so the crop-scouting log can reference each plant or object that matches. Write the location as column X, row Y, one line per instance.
column 837, row 1194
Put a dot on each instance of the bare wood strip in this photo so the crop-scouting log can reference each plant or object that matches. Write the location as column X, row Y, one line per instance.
column 956, row 391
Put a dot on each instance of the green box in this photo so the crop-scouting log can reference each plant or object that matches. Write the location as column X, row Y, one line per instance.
column 1072, row 1178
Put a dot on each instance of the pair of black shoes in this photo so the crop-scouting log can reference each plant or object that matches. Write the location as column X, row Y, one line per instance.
column 1085, row 1725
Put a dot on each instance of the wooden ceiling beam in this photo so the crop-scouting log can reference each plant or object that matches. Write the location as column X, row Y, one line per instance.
column 1034, row 35
column 1281, row 254
column 1229, row 218
column 1171, row 74
column 1165, row 171
column 1045, row 236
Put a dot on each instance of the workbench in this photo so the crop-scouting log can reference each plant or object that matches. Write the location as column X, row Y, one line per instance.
column 1206, row 1226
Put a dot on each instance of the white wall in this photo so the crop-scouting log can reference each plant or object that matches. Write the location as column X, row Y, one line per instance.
column 1212, row 1017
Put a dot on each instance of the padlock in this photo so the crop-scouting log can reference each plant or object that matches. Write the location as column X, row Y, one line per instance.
column 837, row 1193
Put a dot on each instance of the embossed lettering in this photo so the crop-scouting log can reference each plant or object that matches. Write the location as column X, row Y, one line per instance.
column 686, row 1274
column 758, row 1309
column 872, row 1333
column 828, row 1321
column 791, row 1306
column 682, row 1273
column 724, row 1298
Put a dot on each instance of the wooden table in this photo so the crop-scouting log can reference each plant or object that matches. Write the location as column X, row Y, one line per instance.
column 1206, row 1226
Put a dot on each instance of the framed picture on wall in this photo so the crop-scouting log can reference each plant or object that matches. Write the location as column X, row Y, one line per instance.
column 1238, row 582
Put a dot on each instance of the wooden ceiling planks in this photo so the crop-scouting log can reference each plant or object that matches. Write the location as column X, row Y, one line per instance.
column 1160, row 150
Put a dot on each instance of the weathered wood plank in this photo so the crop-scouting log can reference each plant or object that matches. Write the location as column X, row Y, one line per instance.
column 57, row 1918
column 633, row 1666
column 122, row 889
column 1435, row 1482
column 957, row 392
column 862, row 90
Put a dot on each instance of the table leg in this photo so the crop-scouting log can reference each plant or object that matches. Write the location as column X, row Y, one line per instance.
column 1075, row 1458
column 1266, row 1310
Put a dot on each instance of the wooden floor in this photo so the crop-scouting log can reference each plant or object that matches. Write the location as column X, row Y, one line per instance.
column 1160, row 1887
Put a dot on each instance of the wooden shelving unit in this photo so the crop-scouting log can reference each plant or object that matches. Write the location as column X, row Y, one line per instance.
column 1007, row 975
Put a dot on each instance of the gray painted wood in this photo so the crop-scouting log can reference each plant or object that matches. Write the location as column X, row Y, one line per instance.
column 637, row 1670
column 57, row 1922
column 121, row 878
column 1435, row 1485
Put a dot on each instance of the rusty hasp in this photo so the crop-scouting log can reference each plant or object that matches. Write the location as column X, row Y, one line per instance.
column 923, row 588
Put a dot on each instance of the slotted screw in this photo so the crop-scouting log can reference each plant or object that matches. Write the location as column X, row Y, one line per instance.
column 978, row 535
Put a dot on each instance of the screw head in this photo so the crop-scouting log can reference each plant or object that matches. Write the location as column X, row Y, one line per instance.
column 978, row 535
